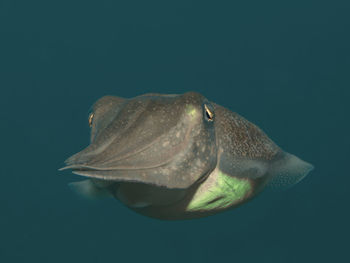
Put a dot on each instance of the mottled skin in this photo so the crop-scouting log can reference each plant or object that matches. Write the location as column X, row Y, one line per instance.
column 177, row 156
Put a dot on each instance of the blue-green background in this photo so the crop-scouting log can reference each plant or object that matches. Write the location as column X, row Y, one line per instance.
column 284, row 65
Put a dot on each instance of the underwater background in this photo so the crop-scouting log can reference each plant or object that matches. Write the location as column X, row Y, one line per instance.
column 283, row 65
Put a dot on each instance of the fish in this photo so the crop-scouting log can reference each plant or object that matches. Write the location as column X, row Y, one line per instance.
column 178, row 156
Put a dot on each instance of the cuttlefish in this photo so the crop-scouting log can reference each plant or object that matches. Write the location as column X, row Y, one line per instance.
column 178, row 156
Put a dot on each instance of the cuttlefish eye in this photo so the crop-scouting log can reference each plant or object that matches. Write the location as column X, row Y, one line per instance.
column 91, row 118
column 209, row 112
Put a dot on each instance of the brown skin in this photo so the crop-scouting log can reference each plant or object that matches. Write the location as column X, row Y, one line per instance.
column 152, row 152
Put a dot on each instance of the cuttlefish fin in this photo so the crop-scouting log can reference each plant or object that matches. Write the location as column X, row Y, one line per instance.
column 288, row 171
column 89, row 190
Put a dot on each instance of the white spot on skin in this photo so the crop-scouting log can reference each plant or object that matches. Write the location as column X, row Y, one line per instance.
column 165, row 171
column 199, row 163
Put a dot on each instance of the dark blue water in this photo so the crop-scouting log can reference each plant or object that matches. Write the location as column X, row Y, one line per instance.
column 283, row 65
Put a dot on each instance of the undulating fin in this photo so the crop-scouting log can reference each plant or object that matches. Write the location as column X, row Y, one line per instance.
column 287, row 171
column 89, row 190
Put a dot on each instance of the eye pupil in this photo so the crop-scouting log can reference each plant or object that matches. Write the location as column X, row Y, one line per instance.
column 209, row 113
column 91, row 117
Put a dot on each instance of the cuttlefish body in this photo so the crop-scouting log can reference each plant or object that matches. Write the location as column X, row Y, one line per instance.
column 178, row 156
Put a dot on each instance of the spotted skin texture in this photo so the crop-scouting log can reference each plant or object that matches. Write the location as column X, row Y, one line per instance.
column 241, row 138
column 167, row 157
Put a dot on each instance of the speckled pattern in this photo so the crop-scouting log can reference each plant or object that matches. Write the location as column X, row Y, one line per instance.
column 241, row 138
column 159, row 152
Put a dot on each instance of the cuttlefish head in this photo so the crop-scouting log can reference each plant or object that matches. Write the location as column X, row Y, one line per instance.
column 161, row 140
